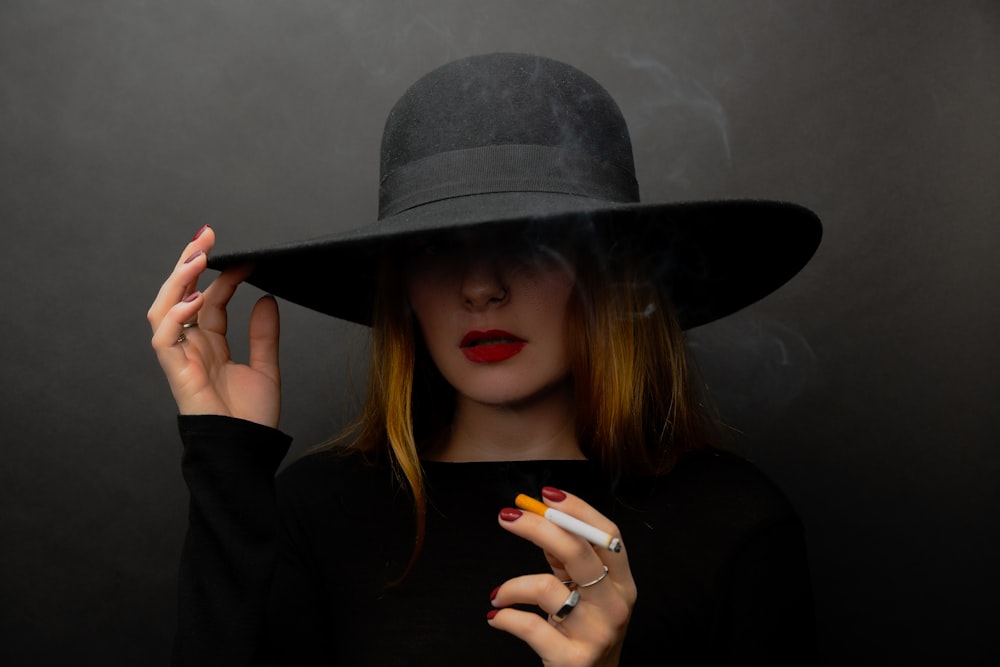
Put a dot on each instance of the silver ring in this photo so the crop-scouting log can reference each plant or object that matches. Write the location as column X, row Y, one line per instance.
column 187, row 325
column 595, row 581
column 567, row 606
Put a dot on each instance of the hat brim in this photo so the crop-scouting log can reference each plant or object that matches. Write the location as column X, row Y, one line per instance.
column 717, row 257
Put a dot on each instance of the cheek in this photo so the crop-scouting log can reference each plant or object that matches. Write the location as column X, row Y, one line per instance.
column 417, row 303
column 429, row 288
column 553, row 305
column 420, row 293
column 560, row 291
column 430, row 313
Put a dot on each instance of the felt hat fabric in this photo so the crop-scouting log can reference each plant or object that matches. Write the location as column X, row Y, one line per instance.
column 532, row 146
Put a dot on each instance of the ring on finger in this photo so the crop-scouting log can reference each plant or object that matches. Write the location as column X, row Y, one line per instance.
column 183, row 337
column 595, row 581
column 567, row 606
column 570, row 584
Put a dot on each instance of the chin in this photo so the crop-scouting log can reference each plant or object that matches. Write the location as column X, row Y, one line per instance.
column 519, row 395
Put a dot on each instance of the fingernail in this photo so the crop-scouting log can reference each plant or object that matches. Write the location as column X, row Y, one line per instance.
column 491, row 613
column 200, row 232
column 553, row 494
column 191, row 297
column 195, row 255
column 493, row 594
column 510, row 514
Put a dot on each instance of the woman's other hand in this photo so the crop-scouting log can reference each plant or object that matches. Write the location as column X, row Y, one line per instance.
column 590, row 633
column 196, row 358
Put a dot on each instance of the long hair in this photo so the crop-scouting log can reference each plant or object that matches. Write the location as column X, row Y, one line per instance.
column 639, row 403
column 638, row 407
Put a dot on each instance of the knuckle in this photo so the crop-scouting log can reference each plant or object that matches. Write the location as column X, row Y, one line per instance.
column 618, row 611
column 631, row 595
column 553, row 586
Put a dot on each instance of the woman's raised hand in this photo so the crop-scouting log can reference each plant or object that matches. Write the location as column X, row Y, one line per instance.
column 196, row 359
column 595, row 609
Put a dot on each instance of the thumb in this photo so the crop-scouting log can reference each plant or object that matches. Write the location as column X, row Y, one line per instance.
column 264, row 332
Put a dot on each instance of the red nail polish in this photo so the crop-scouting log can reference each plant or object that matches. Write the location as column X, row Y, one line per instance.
column 491, row 613
column 200, row 232
column 510, row 514
column 493, row 594
column 553, row 494
column 191, row 297
column 195, row 255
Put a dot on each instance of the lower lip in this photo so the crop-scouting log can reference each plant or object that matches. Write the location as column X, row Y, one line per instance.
column 489, row 353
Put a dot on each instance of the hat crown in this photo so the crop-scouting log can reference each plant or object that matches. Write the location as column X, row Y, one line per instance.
column 523, row 141
column 507, row 100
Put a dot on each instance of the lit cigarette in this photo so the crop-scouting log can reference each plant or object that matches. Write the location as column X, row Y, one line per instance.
column 569, row 523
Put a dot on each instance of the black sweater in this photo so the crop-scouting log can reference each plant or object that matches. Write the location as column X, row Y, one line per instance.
column 294, row 570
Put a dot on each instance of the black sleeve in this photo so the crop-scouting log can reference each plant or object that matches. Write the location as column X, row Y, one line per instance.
column 766, row 613
column 232, row 541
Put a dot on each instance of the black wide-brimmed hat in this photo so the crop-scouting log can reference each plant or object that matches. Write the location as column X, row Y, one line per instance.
column 529, row 143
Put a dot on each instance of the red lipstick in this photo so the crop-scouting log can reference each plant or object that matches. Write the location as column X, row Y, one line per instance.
column 488, row 347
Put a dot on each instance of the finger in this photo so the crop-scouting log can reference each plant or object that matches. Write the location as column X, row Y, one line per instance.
column 212, row 316
column 264, row 333
column 585, row 626
column 183, row 279
column 552, row 641
column 546, row 640
column 542, row 590
column 578, row 557
column 166, row 336
column 577, row 507
column 181, row 282
column 558, row 567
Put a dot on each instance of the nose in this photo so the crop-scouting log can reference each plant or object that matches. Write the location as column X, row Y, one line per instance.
column 483, row 284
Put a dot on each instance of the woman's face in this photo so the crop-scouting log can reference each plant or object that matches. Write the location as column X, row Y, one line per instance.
column 493, row 314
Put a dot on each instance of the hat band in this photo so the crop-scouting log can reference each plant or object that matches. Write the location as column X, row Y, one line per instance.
column 503, row 168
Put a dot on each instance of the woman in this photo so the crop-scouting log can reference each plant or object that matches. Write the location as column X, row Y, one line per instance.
column 527, row 315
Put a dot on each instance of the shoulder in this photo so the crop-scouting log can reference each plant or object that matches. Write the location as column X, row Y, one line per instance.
column 719, row 542
column 716, row 478
column 716, row 496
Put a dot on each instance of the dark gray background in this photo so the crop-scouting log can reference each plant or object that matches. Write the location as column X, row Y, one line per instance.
column 865, row 388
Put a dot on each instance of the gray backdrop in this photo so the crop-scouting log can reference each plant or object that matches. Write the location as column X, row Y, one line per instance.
column 865, row 388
